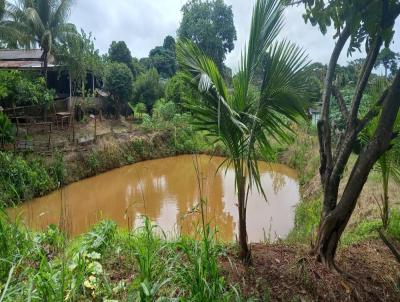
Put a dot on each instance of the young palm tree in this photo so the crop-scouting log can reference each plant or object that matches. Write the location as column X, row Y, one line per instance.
column 388, row 165
column 245, row 119
column 43, row 21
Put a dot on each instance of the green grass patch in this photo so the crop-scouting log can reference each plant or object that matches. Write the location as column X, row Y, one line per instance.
column 307, row 217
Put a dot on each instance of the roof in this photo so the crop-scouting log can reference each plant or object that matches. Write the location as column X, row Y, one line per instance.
column 15, row 55
column 20, row 54
column 21, row 59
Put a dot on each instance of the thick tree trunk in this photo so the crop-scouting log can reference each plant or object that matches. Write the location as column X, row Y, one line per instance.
column 334, row 222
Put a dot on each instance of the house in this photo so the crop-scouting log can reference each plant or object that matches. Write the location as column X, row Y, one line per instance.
column 32, row 60
column 23, row 59
column 315, row 113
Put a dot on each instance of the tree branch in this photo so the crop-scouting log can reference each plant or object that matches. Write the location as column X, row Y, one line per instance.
column 373, row 112
column 324, row 131
column 363, row 79
column 391, row 247
column 342, row 104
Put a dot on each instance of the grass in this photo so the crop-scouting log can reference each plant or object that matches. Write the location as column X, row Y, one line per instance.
column 110, row 264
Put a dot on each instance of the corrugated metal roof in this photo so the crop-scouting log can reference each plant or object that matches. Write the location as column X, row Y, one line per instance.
column 20, row 54
column 22, row 64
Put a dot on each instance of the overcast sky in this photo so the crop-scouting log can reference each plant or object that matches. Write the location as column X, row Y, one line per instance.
column 143, row 24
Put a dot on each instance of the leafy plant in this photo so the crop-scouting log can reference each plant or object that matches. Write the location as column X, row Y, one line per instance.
column 7, row 130
column 246, row 119
column 147, row 247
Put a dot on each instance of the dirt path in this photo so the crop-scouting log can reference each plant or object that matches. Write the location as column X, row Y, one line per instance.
column 289, row 273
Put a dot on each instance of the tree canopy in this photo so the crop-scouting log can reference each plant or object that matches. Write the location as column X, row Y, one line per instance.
column 163, row 58
column 209, row 24
column 147, row 88
column 41, row 22
column 389, row 60
column 78, row 55
column 119, row 52
column 118, row 82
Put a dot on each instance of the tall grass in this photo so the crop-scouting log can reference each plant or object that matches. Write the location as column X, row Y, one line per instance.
column 147, row 247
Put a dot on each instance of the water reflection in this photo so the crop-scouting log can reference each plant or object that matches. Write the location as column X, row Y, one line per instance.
column 166, row 190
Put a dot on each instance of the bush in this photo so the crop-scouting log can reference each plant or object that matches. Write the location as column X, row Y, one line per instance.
column 17, row 89
column 147, row 89
column 164, row 111
column 118, row 82
column 57, row 168
column 22, row 180
column 7, row 130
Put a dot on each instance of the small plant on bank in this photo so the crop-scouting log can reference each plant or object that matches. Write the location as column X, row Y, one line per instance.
column 7, row 130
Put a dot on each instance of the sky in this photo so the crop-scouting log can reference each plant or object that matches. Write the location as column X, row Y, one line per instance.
column 143, row 24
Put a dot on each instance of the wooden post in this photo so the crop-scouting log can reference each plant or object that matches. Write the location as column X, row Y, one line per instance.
column 95, row 128
column 50, row 130
column 73, row 127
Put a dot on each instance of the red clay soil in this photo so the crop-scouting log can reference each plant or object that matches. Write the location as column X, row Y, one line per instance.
column 289, row 273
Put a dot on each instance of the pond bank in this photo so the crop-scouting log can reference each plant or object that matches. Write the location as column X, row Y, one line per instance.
column 31, row 175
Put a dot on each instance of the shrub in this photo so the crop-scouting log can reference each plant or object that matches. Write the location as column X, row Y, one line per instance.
column 164, row 111
column 19, row 90
column 57, row 168
column 22, row 180
column 7, row 130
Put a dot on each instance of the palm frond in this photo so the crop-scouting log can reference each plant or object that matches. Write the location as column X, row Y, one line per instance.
column 60, row 14
column 266, row 23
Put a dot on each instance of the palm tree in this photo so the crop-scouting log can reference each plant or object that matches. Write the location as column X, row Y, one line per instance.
column 43, row 21
column 245, row 119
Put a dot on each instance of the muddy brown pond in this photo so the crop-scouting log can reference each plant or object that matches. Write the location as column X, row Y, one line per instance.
column 167, row 191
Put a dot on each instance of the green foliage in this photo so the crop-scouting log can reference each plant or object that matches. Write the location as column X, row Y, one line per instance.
column 200, row 273
column 118, row 82
column 163, row 58
column 120, row 53
column 77, row 54
column 7, row 130
column 20, row 90
column 307, row 217
column 140, row 108
column 366, row 229
column 389, row 60
column 57, row 169
column 364, row 19
column 209, row 24
column 147, row 89
column 177, row 90
column 99, row 237
column 93, row 162
column 246, row 120
column 22, row 180
column 42, row 21
column 147, row 247
column 14, row 244
column 164, row 111
column 394, row 224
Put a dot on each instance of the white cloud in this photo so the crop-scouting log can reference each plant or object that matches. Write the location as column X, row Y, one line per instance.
column 143, row 24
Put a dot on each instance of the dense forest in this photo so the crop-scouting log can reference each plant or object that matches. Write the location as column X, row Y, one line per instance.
column 70, row 115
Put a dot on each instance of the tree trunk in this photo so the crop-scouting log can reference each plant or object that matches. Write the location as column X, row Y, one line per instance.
column 244, row 251
column 334, row 222
column 385, row 199
column 45, row 63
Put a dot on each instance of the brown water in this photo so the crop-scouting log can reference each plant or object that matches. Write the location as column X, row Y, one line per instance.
column 167, row 191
